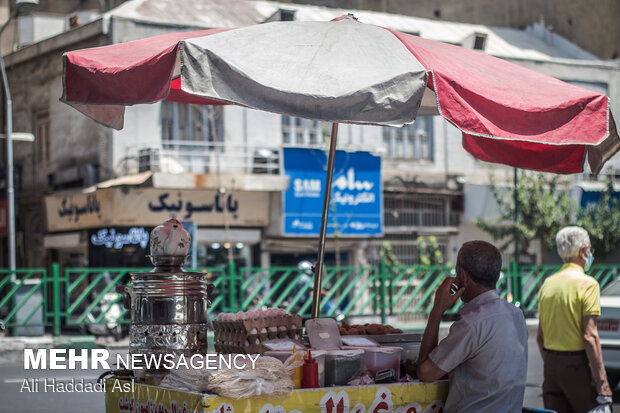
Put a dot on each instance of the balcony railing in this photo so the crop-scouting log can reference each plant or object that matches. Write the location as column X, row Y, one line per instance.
column 207, row 157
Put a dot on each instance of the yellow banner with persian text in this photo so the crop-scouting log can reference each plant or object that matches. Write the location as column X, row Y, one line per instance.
column 394, row 398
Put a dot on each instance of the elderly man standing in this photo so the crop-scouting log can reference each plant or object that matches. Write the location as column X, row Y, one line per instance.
column 568, row 305
column 485, row 351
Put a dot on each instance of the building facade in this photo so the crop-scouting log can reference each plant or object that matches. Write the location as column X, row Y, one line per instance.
column 86, row 194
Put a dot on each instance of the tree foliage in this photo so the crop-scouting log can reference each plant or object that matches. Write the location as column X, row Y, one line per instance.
column 602, row 221
column 387, row 255
column 428, row 251
column 545, row 206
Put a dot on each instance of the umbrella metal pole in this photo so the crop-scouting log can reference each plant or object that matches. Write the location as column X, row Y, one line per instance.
column 318, row 269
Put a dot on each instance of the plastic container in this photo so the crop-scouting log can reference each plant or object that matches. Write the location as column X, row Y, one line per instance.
column 318, row 355
column 410, row 351
column 341, row 366
column 379, row 359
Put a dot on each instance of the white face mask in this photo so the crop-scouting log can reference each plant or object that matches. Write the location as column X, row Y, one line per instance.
column 589, row 261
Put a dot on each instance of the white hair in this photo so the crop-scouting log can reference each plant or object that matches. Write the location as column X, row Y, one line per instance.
column 570, row 240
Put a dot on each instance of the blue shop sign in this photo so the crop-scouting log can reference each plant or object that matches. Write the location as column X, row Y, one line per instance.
column 356, row 205
column 592, row 197
column 117, row 239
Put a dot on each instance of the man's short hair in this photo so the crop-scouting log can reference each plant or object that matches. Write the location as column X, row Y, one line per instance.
column 482, row 261
column 569, row 240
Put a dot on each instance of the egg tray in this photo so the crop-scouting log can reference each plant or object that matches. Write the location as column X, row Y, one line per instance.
column 247, row 336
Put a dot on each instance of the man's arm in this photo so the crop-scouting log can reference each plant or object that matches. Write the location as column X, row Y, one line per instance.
column 427, row 369
column 540, row 341
column 592, row 344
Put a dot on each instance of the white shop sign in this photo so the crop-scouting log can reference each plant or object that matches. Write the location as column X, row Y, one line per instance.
column 150, row 207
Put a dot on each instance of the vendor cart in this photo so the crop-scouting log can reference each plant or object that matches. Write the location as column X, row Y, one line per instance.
column 124, row 397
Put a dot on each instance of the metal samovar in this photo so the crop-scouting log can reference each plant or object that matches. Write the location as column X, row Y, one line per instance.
column 168, row 307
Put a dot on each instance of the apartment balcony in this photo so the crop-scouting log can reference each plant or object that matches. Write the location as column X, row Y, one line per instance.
column 179, row 157
column 207, row 165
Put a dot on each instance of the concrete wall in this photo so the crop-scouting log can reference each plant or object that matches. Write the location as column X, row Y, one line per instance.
column 142, row 129
column 74, row 139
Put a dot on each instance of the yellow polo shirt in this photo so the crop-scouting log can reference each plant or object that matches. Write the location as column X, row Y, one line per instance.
column 563, row 300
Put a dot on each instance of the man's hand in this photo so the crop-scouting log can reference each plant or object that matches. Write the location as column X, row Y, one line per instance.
column 444, row 299
column 592, row 344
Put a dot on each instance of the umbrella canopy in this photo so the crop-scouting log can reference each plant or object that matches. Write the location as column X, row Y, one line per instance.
column 347, row 71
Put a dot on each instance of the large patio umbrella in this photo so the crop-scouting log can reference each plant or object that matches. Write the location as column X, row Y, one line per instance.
column 347, row 71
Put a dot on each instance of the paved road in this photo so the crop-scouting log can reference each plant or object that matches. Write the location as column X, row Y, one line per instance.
column 12, row 377
column 12, row 400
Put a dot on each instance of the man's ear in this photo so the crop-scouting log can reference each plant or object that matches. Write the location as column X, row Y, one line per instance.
column 465, row 280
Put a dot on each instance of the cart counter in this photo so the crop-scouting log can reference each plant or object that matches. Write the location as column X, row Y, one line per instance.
column 415, row 397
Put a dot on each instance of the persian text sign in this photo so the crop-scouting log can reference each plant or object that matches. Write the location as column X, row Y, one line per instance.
column 79, row 210
column 150, row 207
column 356, row 193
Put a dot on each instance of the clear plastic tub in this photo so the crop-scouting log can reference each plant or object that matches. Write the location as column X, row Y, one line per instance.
column 319, row 355
column 341, row 366
column 410, row 350
column 377, row 359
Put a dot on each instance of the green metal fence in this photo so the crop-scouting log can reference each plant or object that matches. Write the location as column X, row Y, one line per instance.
column 531, row 278
column 23, row 293
column 82, row 296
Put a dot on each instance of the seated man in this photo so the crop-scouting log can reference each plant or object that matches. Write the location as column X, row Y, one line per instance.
column 485, row 352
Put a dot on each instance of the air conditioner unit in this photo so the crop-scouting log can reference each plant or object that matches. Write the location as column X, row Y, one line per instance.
column 265, row 161
column 148, row 160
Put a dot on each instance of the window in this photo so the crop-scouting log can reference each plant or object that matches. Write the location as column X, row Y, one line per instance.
column 480, row 41
column 184, row 122
column 410, row 142
column 402, row 210
column 298, row 131
column 41, row 131
column 286, row 129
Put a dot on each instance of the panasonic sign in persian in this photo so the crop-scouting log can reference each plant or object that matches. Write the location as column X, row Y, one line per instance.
column 356, row 206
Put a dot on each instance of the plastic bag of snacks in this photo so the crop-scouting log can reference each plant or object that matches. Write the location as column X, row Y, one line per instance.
column 268, row 378
column 293, row 365
column 187, row 379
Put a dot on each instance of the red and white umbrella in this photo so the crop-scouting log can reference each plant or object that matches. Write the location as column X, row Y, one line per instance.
column 347, row 71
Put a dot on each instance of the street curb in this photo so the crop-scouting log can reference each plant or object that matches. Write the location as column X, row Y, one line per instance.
column 12, row 348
